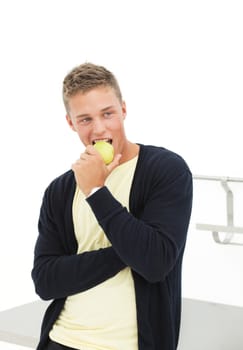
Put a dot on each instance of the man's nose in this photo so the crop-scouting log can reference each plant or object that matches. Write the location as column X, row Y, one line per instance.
column 98, row 126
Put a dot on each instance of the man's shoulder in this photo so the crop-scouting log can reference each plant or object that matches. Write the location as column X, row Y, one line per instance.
column 62, row 182
column 161, row 157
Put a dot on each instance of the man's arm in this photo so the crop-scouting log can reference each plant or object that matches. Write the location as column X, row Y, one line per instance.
column 150, row 244
column 57, row 273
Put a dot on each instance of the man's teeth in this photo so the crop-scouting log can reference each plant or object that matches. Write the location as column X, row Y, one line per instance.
column 105, row 140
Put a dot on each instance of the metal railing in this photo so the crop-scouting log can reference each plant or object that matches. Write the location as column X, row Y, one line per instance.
column 230, row 229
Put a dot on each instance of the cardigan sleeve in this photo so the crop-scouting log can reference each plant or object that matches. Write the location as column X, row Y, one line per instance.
column 59, row 272
column 151, row 241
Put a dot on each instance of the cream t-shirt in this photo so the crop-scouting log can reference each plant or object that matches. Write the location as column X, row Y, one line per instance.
column 103, row 317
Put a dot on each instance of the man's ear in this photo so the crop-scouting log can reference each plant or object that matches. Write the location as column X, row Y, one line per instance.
column 70, row 122
column 124, row 109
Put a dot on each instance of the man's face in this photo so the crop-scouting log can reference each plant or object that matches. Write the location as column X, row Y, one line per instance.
column 98, row 115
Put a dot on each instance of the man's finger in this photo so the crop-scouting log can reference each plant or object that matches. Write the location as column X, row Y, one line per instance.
column 114, row 163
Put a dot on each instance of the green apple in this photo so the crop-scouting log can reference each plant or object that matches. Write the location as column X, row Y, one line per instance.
column 106, row 151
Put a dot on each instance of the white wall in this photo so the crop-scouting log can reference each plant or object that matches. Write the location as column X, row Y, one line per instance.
column 179, row 64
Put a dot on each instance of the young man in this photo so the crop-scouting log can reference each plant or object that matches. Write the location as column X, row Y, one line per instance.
column 111, row 237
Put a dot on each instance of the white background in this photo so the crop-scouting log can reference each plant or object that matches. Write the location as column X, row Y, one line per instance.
column 179, row 64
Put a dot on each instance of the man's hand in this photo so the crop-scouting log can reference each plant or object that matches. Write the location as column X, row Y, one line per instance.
column 90, row 170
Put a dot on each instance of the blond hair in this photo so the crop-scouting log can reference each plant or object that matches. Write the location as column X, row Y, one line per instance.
column 86, row 77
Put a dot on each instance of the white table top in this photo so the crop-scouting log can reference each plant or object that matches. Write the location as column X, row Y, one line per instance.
column 205, row 326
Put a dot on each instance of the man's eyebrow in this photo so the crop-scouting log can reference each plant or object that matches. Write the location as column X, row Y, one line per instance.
column 82, row 115
column 88, row 115
column 106, row 108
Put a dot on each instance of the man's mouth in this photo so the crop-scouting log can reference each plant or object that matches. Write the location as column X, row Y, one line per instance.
column 105, row 140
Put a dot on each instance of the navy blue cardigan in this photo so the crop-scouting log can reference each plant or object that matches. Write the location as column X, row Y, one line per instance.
column 150, row 239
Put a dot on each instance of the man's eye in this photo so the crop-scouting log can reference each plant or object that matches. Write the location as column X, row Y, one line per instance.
column 108, row 115
column 84, row 120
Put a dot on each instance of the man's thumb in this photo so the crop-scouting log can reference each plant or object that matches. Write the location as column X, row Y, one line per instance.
column 114, row 163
